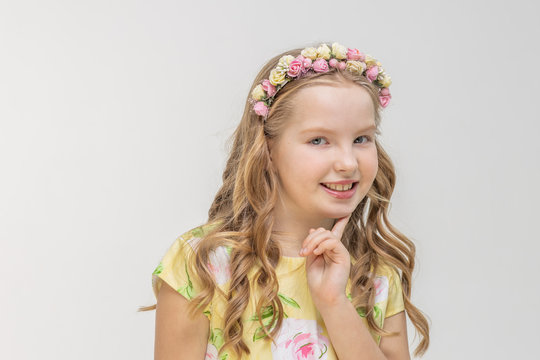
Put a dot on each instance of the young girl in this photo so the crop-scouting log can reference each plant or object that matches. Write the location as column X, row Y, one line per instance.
column 297, row 259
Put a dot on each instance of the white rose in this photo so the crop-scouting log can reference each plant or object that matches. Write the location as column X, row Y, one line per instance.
column 310, row 53
column 323, row 51
column 339, row 51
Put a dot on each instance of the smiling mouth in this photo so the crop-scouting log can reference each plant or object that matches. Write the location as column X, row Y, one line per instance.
column 340, row 187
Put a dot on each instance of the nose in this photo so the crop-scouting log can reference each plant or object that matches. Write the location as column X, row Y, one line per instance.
column 345, row 160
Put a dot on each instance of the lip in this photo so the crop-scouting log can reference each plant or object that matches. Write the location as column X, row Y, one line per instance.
column 341, row 194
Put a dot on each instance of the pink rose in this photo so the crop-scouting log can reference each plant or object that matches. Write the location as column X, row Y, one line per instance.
column 320, row 66
column 307, row 64
column 372, row 73
column 260, row 108
column 385, row 91
column 300, row 339
column 269, row 88
column 333, row 63
column 342, row 65
column 384, row 100
column 295, row 68
column 355, row 54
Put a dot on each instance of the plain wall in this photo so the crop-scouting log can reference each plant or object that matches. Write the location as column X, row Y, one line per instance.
column 114, row 117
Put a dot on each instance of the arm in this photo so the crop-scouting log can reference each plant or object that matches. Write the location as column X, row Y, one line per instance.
column 177, row 335
column 396, row 347
column 352, row 340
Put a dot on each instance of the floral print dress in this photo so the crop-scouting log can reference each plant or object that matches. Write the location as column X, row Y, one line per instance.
column 303, row 334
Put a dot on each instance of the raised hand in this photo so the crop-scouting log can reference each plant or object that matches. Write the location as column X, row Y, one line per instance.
column 328, row 264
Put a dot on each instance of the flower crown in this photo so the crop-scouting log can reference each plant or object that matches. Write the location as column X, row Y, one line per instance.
column 319, row 60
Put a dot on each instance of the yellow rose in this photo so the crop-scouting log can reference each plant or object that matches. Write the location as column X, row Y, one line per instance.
column 310, row 53
column 258, row 93
column 277, row 77
column 323, row 51
column 356, row 67
column 284, row 61
column 385, row 80
column 370, row 60
column 339, row 51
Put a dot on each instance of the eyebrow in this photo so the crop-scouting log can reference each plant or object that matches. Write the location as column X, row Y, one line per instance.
column 323, row 129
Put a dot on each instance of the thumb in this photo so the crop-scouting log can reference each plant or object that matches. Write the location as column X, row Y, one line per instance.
column 339, row 226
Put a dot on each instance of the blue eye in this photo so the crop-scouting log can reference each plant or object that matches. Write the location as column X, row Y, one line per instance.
column 368, row 139
column 317, row 143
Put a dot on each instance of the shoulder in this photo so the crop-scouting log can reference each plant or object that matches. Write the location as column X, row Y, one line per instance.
column 386, row 277
column 177, row 270
column 388, row 289
column 194, row 235
column 387, row 270
column 218, row 258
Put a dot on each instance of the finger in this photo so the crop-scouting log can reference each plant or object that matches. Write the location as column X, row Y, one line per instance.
column 311, row 235
column 339, row 226
column 325, row 245
column 315, row 240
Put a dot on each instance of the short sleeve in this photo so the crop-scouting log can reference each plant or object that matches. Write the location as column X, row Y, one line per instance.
column 173, row 269
column 395, row 296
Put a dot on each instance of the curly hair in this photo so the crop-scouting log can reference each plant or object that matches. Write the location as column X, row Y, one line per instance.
column 243, row 211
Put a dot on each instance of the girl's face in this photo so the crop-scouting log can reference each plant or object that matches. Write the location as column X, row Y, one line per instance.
column 329, row 139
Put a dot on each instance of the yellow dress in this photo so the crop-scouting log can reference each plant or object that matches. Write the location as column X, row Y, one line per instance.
column 303, row 334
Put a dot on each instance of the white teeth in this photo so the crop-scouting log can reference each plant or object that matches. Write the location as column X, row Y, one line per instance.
column 339, row 187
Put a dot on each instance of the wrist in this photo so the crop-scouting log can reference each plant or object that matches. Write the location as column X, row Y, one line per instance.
column 330, row 305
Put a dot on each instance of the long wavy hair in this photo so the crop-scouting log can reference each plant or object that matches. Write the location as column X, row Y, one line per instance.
column 243, row 213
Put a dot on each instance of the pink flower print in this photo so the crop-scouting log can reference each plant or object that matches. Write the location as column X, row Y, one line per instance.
column 381, row 288
column 219, row 265
column 211, row 352
column 300, row 339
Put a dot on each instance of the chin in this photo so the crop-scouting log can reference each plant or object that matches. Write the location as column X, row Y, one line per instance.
column 337, row 214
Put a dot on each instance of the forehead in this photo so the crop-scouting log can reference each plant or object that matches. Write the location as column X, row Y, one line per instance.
column 341, row 105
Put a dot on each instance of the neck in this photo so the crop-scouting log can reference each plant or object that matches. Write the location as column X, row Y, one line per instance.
column 291, row 231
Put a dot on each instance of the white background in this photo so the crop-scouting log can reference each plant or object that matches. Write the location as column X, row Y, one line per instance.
column 114, row 117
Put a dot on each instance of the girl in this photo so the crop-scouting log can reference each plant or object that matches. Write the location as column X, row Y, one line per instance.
column 297, row 259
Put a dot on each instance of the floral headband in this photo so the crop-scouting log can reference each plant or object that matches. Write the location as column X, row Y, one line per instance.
column 319, row 60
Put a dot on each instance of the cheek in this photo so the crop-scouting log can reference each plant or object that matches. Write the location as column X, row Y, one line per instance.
column 370, row 164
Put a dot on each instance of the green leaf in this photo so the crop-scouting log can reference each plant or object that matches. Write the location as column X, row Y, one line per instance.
column 289, row 301
column 259, row 333
column 197, row 232
column 158, row 270
column 216, row 338
column 377, row 310
column 324, row 352
column 267, row 311
column 187, row 291
column 361, row 311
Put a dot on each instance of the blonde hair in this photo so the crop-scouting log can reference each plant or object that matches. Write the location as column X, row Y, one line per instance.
column 242, row 210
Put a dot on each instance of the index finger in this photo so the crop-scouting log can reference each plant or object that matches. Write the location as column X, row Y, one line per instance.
column 339, row 226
